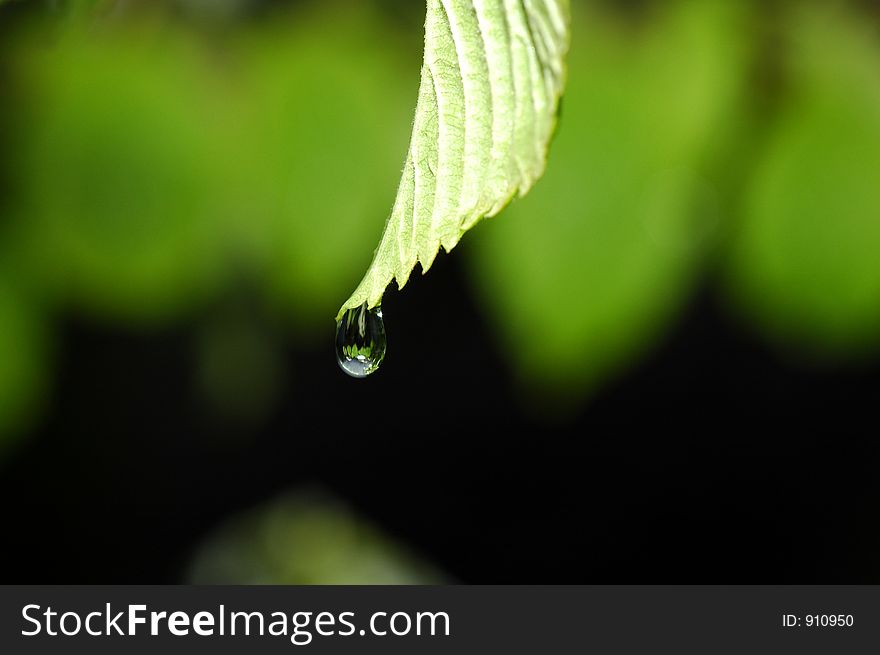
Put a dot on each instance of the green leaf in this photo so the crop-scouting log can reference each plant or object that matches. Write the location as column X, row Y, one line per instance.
column 805, row 262
column 629, row 209
column 306, row 537
column 320, row 111
column 119, row 174
column 490, row 86
column 25, row 357
column 150, row 178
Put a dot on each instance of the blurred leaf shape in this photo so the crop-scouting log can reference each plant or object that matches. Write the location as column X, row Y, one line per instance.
column 119, row 185
column 23, row 362
column 805, row 263
column 328, row 120
column 240, row 368
column 586, row 272
column 157, row 163
column 305, row 538
column 492, row 76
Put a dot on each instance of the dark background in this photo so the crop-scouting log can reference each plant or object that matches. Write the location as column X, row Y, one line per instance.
column 716, row 457
column 765, row 473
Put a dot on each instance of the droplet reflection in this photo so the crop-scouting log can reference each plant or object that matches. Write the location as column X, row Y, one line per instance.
column 360, row 341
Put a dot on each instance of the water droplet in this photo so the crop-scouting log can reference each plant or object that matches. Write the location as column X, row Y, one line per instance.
column 360, row 341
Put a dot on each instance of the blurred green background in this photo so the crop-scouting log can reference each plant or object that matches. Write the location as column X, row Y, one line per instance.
column 228, row 167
